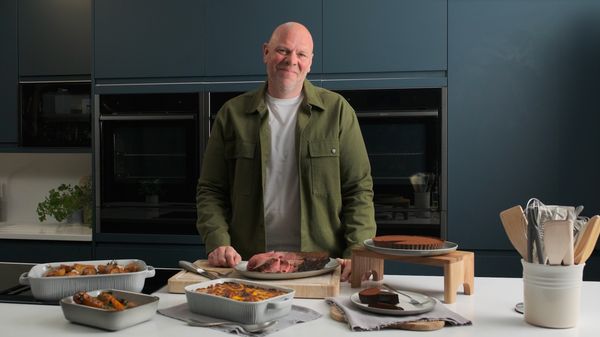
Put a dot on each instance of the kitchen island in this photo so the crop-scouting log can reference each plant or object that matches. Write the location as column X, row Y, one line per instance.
column 491, row 309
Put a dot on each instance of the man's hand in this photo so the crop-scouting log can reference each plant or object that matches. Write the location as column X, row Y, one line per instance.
column 224, row 256
column 347, row 271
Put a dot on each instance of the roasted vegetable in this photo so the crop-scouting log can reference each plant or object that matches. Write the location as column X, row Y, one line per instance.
column 84, row 298
column 87, row 269
column 111, row 301
column 105, row 300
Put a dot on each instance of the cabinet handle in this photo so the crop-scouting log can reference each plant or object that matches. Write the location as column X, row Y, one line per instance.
column 145, row 117
column 397, row 114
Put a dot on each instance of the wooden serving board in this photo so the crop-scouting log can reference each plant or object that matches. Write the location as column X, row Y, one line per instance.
column 321, row 286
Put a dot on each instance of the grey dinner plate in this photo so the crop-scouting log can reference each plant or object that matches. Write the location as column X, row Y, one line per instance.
column 407, row 308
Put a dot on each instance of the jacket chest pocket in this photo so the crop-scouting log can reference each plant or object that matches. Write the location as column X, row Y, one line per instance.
column 325, row 167
column 242, row 166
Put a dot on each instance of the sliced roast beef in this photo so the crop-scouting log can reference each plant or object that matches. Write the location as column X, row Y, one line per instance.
column 287, row 262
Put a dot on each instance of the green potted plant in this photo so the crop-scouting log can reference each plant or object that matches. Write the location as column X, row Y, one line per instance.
column 67, row 200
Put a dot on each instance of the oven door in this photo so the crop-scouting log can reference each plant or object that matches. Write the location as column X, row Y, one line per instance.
column 403, row 134
column 148, row 174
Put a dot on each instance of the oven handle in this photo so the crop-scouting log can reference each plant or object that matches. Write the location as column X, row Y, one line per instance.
column 396, row 114
column 146, row 117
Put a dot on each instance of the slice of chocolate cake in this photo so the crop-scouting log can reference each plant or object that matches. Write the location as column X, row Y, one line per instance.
column 377, row 295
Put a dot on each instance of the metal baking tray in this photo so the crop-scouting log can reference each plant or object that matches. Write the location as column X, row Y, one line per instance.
column 146, row 306
column 55, row 288
column 237, row 311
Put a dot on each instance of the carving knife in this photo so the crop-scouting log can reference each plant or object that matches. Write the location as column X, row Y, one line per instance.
column 191, row 267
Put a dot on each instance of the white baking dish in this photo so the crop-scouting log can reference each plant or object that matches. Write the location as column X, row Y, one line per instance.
column 145, row 308
column 237, row 311
column 55, row 288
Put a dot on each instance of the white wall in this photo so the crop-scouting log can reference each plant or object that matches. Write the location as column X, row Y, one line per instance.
column 26, row 178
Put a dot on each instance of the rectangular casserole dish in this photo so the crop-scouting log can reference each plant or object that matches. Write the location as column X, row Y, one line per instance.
column 57, row 287
column 145, row 308
column 238, row 311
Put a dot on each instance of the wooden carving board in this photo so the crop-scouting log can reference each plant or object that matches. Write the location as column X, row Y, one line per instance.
column 321, row 286
column 338, row 315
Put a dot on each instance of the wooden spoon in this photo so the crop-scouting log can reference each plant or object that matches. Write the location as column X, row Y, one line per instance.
column 515, row 226
column 558, row 242
column 587, row 240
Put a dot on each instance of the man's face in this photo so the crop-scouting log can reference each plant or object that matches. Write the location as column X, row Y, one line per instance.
column 288, row 57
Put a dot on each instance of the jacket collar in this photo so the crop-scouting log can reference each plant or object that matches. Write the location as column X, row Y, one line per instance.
column 311, row 99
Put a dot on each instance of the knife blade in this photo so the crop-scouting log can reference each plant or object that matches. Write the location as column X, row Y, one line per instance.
column 191, row 267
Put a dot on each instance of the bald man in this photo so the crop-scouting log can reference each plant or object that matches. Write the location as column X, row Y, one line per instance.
column 286, row 166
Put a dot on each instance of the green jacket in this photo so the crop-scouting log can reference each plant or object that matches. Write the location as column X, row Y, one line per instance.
column 336, row 188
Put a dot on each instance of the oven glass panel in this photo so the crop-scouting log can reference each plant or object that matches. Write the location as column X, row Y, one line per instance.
column 396, row 164
column 142, row 159
column 155, row 152
column 55, row 114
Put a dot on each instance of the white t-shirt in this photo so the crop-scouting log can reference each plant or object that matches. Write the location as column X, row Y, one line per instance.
column 282, row 193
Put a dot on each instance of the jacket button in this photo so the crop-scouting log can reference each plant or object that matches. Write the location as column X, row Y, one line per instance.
column 333, row 151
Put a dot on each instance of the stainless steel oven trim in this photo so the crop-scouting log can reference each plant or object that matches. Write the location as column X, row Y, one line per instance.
column 408, row 113
column 145, row 118
column 96, row 160
column 54, row 81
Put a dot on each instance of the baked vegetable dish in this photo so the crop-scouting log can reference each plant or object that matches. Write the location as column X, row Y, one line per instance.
column 105, row 300
column 240, row 292
column 78, row 269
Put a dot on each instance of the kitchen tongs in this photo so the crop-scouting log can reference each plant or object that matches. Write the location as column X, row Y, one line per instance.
column 534, row 233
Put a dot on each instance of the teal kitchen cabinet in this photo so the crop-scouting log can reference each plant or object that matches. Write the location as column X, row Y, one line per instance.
column 54, row 37
column 522, row 111
column 156, row 255
column 148, row 38
column 8, row 69
column 236, row 31
column 384, row 36
column 41, row 251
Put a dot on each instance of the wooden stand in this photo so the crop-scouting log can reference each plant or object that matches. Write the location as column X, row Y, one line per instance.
column 458, row 268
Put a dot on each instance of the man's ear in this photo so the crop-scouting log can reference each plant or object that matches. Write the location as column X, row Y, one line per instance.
column 265, row 50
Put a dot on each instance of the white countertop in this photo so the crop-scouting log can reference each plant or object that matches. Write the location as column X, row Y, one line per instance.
column 491, row 309
column 45, row 231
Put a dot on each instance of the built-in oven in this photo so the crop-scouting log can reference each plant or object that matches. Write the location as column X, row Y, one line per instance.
column 405, row 135
column 55, row 113
column 149, row 149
